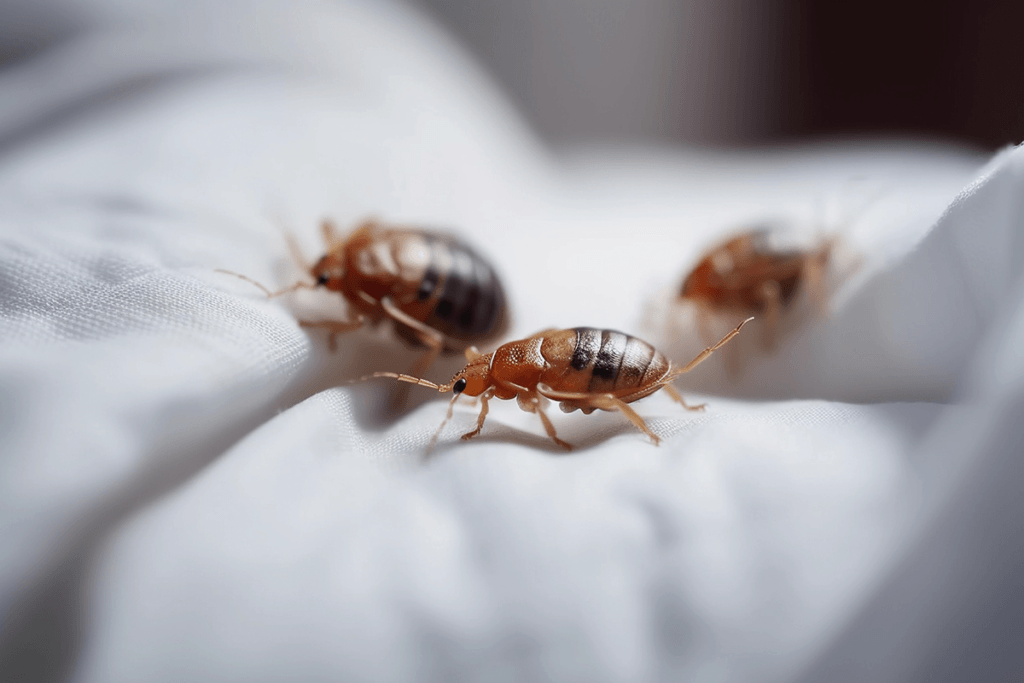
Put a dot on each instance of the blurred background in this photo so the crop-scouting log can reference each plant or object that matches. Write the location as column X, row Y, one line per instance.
column 741, row 72
column 724, row 73
column 718, row 73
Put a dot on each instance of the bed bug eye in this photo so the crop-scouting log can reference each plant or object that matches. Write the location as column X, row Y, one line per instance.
column 460, row 386
column 323, row 279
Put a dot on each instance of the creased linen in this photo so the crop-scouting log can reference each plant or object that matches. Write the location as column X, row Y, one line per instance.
column 188, row 492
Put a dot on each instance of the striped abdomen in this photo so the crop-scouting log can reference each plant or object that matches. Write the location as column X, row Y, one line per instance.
column 468, row 301
column 587, row 360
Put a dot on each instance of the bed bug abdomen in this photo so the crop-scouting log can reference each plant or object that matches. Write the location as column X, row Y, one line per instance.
column 468, row 300
column 585, row 359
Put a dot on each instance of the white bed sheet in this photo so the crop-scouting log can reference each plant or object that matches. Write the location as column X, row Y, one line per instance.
column 187, row 494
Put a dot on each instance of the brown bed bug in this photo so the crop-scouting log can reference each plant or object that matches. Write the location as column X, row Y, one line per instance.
column 436, row 289
column 582, row 368
column 746, row 275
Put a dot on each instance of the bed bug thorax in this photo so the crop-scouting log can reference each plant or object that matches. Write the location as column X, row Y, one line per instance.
column 581, row 368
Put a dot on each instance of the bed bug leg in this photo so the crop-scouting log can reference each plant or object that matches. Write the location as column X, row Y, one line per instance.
column 703, row 355
column 816, row 268
column 428, row 336
column 330, row 234
column 678, row 398
column 423, row 363
column 550, row 428
column 531, row 403
column 602, row 402
column 434, row 346
column 609, row 402
column 484, row 408
column 334, row 328
column 296, row 252
column 770, row 297
column 293, row 244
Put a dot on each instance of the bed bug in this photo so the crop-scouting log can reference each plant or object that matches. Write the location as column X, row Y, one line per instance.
column 582, row 368
column 747, row 275
column 436, row 289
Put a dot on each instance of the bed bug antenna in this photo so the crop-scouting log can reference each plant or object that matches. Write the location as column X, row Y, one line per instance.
column 401, row 377
column 270, row 295
column 442, row 388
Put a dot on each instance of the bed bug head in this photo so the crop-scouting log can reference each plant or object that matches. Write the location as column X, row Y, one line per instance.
column 475, row 378
column 697, row 284
column 472, row 380
column 329, row 270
